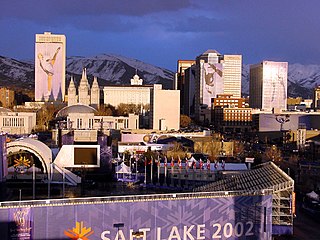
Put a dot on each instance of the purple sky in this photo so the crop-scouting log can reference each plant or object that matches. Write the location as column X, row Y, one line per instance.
column 160, row 32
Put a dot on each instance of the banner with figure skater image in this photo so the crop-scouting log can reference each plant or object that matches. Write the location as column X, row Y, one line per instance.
column 49, row 71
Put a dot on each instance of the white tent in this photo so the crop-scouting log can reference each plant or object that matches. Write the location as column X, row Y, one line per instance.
column 122, row 168
column 313, row 195
column 191, row 161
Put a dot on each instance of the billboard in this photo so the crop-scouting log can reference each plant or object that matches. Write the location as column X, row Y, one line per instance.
column 212, row 81
column 85, row 156
column 274, row 91
column 49, row 71
column 242, row 217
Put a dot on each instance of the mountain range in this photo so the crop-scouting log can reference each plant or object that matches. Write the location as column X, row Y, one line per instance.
column 115, row 69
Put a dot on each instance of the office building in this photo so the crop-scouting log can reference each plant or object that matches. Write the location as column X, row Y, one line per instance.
column 215, row 74
column 268, row 85
column 182, row 83
column 6, row 97
column 50, row 65
column 165, row 109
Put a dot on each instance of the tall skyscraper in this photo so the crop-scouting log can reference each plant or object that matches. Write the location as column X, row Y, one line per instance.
column 183, row 84
column 50, row 64
column 215, row 74
column 232, row 66
column 268, row 85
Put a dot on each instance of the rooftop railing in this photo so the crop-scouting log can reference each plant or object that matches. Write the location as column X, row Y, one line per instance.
column 131, row 198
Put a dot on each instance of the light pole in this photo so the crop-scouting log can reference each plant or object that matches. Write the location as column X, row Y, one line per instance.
column 33, row 182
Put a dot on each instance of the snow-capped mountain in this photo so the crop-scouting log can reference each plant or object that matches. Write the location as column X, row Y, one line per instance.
column 110, row 69
column 114, row 69
column 301, row 79
column 14, row 73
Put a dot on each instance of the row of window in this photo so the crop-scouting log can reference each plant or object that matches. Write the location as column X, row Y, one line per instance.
column 13, row 122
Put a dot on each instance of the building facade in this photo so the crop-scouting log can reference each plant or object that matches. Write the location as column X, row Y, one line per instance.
column 17, row 122
column 183, row 81
column 6, row 97
column 316, row 97
column 215, row 74
column 50, row 65
column 268, row 85
column 85, row 95
column 136, row 93
column 165, row 109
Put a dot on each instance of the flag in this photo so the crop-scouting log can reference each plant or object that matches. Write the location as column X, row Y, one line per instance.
column 187, row 164
column 208, row 164
column 201, row 164
column 179, row 163
column 215, row 164
column 172, row 162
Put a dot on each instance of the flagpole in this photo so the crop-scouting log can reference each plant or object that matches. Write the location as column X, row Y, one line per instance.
column 145, row 171
column 151, row 169
column 33, row 182
column 136, row 168
column 158, row 168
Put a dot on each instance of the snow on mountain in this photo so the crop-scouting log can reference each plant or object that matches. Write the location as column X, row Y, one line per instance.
column 115, row 69
column 112, row 69
column 12, row 71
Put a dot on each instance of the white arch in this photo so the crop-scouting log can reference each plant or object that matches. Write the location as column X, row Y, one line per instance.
column 39, row 149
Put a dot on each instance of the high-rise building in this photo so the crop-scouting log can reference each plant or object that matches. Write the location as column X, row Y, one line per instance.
column 268, row 85
column 232, row 66
column 215, row 74
column 316, row 97
column 183, row 84
column 50, row 64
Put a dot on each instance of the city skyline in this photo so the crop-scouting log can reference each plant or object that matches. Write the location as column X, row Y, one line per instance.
column 160, row 33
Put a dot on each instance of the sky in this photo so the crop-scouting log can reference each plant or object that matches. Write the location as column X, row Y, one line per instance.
column 160, row 32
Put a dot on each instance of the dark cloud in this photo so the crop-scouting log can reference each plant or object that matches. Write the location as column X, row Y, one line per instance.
column 53, row 10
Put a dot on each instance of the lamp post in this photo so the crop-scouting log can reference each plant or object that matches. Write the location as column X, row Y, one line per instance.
column 33, row 182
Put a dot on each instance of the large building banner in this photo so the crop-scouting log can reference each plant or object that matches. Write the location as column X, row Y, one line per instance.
column 275, row 76
column 212, row 82
column 49, row 71
column 243, row 217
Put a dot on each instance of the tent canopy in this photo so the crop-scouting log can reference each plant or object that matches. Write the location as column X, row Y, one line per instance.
column 122, row 168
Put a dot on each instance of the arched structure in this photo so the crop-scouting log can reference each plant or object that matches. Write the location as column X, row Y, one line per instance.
column 78, row 108
column 39, row 149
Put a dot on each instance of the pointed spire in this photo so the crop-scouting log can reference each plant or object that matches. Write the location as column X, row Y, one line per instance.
column 95, row 82
column 71, row 84
column 84, row 73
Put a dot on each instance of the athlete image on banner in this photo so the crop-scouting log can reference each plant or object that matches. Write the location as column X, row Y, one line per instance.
column 212, row 81
column 49, row 72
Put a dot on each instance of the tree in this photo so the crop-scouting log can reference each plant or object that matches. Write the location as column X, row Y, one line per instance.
column 185, row 121
column 176, row 151
column 106, row 110
column 213, row 149
column 45, row 115
column 272, row 154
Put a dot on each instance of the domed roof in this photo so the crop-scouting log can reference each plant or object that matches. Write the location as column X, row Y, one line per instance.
column 77, row 108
